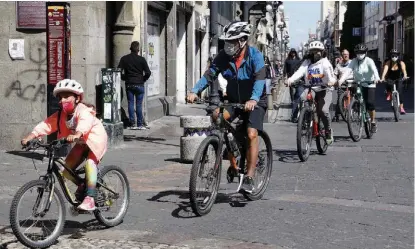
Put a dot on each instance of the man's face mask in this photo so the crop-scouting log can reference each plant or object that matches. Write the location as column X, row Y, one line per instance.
column 233, row 47
column 360, row 56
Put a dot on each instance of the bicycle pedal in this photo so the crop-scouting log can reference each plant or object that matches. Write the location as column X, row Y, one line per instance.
column 74, row 212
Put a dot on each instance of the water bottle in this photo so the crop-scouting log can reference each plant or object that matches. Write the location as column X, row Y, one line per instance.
column 233, row 145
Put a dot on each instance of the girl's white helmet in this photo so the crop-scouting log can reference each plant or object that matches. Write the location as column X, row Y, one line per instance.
column 235, row 30
column 68, row 85
column 316, row 45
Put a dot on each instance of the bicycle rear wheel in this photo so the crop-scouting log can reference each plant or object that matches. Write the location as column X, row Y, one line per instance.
column 37, row 221
column 202, row 200
column 263, row 168
column 321, row 140
column 354, row 120
column 368, row 127
column 304, row 133
column 395, row 106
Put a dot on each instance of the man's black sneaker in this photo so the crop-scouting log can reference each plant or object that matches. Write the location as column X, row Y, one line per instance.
column 248, row 184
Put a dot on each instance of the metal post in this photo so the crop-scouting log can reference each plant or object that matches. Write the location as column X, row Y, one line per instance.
column 214, row 96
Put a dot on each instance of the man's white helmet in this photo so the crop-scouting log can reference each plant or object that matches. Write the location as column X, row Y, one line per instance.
column 68, row 85
column 316, row 45
column 236, row 30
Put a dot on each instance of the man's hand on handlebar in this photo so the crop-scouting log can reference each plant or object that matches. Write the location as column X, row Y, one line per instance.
column 288, row 82
column 191, row 97
column 331, row 84
column 250, row 105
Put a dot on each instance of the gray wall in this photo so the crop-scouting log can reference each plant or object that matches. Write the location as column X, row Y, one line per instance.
column 23, row 87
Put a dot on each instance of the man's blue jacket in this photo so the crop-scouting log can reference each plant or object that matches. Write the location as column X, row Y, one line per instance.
column 246, row 83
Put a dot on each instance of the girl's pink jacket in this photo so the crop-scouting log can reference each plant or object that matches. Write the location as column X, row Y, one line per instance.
column 93, row 131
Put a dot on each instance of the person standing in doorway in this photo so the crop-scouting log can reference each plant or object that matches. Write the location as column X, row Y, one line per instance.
column 135, row 73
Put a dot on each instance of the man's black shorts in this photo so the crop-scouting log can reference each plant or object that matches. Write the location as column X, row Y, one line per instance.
column 253, row 119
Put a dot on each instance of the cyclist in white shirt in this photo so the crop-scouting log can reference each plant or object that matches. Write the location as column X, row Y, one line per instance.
column 318, row 72
column 364, row 70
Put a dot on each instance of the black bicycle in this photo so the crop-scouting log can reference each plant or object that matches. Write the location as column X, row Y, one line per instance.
column 233, row 135
column 45, row 193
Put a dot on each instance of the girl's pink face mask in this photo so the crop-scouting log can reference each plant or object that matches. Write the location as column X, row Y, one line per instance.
column 67, row 103
column 68, row 107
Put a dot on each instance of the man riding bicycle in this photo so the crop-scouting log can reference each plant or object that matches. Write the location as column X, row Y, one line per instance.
column 338, row 71
column 364, row 70
column 318, row 72
column 244, row 68
column 393, row 71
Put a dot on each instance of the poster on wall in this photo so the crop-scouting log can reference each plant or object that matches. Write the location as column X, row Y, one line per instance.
column 153, row 56
column 16, row 49
column 30, row 15
column 56, row 44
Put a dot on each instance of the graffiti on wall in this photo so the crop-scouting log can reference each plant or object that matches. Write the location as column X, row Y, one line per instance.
column 32, row 90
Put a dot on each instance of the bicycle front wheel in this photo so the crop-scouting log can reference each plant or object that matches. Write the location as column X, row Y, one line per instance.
column 354, row 120
column 112, row 178
column 43, row 231
column 342, row 103
column 395, row 106
column 304, row 133
column 205, row 176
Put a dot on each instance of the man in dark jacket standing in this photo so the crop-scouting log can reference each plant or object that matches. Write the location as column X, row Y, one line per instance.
column 135, row 74
column 290, row 66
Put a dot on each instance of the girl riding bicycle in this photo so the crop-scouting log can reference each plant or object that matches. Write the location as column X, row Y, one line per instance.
column 77, row 122
column 318, row 72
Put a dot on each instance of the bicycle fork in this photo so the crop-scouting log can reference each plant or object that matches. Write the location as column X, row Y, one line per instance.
column 397, row 95
column 50, row 183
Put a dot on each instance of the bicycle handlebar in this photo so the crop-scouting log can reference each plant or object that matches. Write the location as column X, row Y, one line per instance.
column 235, row 105
column 36, row 143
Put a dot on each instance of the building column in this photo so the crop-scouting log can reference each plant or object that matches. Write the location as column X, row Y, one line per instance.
column 171, row 46
column 190, row 40
column 214, row 27
column 205, row 46
column 123, row 30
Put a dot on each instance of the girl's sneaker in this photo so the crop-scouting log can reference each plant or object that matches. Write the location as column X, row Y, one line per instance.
column 88, row 204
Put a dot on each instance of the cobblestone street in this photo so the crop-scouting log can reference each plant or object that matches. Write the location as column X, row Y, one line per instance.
column 359, row 195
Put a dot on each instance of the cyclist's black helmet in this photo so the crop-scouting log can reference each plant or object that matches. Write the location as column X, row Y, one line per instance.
column 394, row 51
column 360, row 48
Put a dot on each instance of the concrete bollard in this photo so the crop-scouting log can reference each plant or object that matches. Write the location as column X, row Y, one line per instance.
column 270, row 102
column 195, row 130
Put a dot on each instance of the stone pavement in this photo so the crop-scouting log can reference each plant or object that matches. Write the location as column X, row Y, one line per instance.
column 359, row 195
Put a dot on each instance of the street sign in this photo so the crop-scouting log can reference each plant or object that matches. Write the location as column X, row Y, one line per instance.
column 357, row 31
